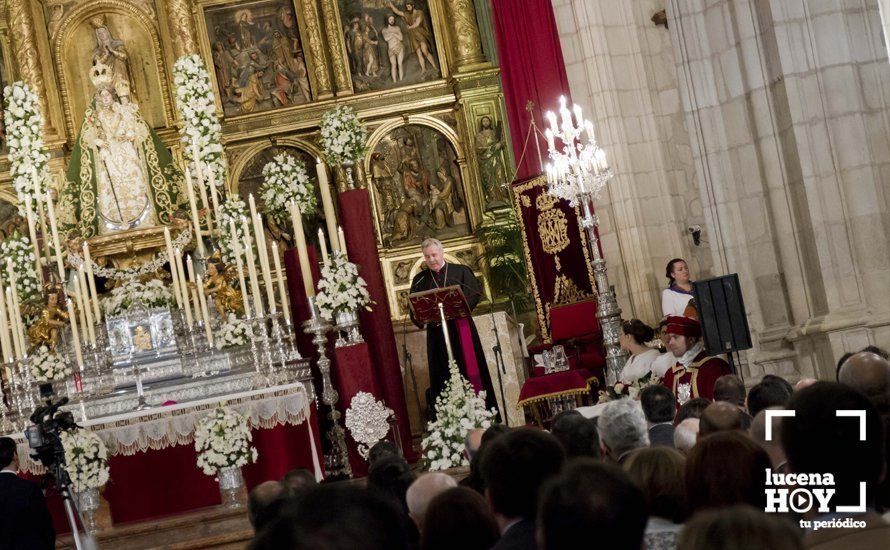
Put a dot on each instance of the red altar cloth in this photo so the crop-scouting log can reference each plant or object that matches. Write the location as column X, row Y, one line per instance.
column 352, row 376
column 168, row 481
column 361, row 244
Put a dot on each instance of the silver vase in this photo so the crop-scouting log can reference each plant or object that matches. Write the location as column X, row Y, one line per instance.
column 348, row 332
column 88, row 502
column 231, row 487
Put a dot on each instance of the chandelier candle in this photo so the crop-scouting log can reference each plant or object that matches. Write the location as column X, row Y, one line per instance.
column 327, row 201
column 54, row 229
column 302, row 254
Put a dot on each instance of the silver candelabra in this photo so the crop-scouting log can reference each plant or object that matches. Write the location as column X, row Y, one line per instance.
column 578, row 172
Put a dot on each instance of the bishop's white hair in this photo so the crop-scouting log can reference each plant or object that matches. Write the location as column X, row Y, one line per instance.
column 431, row 242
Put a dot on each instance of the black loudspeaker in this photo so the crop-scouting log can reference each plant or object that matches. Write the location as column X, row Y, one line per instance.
column 721, row 312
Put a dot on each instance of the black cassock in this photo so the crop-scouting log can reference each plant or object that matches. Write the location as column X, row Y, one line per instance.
column 437, row 353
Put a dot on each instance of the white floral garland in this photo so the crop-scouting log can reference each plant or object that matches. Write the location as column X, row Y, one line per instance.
column 231, row 213
column 458, row 410
column 343, row 137
column 184, row 237
column 47, row 365
column 223, row 440
column 18, row 248
column 86, row 460
column 132, row 293
column 285, row 180
column 341, row 288
column 234, row 332
column 24, row 137
column 197, row 106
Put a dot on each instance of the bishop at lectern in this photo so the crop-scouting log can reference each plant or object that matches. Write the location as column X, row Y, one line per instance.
column 465, row 344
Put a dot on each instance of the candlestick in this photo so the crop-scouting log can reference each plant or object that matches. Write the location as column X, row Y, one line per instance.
column 285, row 306
column 196, row 221
column 82, row 290
column 54, row 229
column 327, row 201
column 302, row 254
column 324, row 247
column 172, row 261
column 184, row 289
column 204, row 311
column 75, row 339
column 91, row 279
column 342, row 238
column 251, row 270
column 263, row 253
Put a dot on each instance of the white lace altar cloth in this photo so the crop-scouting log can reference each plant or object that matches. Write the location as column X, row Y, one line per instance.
column 158, row 428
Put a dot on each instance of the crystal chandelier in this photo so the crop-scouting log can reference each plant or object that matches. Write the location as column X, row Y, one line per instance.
column 578, row 172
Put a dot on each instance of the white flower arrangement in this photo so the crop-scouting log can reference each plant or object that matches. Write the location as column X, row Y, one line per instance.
column 18, row 248
column 458, row 410
column 47, row 365
column 222, row 440
column 200, row 125
column 86, row 460
column 285, row 180
column 231, row 213
column 343, row 137
column 234, row 332
column 24, row 137
column 620, row 390
column 341, row 288
column 134, row 293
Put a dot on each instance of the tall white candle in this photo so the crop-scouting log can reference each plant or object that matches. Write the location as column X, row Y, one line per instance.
column 263, row 253
column 190, row 269
column 75, row 338
column 16, row 315
column 54, row 229
column 81, row 309
column 327, row 202
column 87, row 306
column 16, row 343
column 285, row 306
column 91, row 280
column 183, row 286
column 302, row 253
column 324, row 247
column 237, row 248
column 205, row 313
column 251, row 269
column 196, row 220
column 342, row 238
column 172, row 261
column 6, row 351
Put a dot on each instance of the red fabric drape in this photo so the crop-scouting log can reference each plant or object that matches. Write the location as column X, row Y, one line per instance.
column 361, row 245
column 532, row 69
column 354, row 374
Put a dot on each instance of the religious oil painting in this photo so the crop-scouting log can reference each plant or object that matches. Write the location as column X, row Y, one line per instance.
column 418, row 187
column 389, row 44
column 257, row 56
column 489, row 144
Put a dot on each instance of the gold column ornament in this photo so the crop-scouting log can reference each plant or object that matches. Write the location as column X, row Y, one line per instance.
column 334, row 32
column 24, row 47
column 465, row 34
column 317, row 50
column 182, row 27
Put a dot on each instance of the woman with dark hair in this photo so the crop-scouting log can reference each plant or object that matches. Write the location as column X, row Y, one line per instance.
column 676, row 296
column 659, row 473
column 634, row 336
column 458, row 518
column 724, row 469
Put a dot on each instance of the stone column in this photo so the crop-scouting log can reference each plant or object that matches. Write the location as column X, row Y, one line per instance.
column 465, row 39
column 24, row 51
column 182, row 27
column 337, row 50
column 316, row 49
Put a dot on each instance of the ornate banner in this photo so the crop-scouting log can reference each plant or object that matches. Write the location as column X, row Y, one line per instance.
column 555, row 249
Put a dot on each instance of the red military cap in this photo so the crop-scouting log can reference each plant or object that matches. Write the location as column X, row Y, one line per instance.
column 682, row 326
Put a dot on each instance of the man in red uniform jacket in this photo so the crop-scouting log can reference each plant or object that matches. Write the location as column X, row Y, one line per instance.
column 694, row 373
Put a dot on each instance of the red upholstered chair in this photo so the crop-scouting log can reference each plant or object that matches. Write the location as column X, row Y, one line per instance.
column 576, row 328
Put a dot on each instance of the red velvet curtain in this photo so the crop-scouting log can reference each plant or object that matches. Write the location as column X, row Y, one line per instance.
column 532, row 69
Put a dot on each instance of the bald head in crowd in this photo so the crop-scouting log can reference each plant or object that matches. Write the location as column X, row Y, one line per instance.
column 868, row 373
column 721, row 416
column 423, row 491
column 685, row 434
column 773, row 447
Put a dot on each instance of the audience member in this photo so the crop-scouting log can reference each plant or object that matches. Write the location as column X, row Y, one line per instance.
column 472, row 442
column 391, row 476
column 691, row 409
column 635, row 334
column 679, row 291
column 514, row 467
column 474, row 479
column 722, row 416
column 297, row 480
column 382, row 449
column 768, row 393
column 424, row 489
column 867, row 349
column 686, row 434
column 738, row 528
column 723, row 469
column 622, row 428
column 335, row 517
column 659, row 473
column 695, row 372
column 773, row 447
column 25, row 523
column 459, row 519
column 264, row 503
column 658, row 407
column 731, row 389
column 804, row 383
column 594, row 502
column 818, row 441
column 868, row 373
column 577, row 434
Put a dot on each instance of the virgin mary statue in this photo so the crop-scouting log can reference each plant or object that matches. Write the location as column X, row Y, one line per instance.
column 120, row 176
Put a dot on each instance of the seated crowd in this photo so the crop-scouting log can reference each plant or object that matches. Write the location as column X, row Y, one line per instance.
column 642, row 474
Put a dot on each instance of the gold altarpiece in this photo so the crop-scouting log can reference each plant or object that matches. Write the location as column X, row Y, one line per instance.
column 415, row 75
